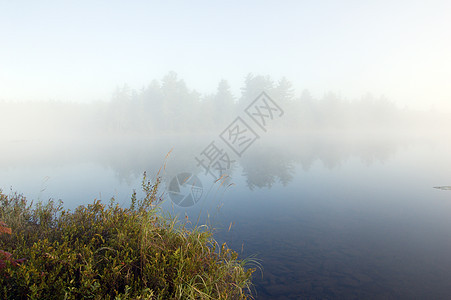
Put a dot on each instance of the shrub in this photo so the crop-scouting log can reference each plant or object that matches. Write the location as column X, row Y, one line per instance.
column 104, row 251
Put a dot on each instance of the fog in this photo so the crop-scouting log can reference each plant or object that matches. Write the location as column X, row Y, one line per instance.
column 105, row 69
column 134, row 130
column 169, row 106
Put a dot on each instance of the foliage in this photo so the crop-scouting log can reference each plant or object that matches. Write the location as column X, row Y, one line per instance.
column 6, row 257
column 104, row 251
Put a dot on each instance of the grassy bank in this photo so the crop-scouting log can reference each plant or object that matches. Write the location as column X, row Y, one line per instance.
column 104, row 251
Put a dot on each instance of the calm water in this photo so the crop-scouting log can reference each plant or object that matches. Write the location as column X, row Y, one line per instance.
column 328, row 215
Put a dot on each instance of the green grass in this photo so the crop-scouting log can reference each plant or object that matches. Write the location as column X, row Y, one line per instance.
column 104, row 251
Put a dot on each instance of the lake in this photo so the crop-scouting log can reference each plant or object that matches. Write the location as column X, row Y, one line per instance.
column 331, row 215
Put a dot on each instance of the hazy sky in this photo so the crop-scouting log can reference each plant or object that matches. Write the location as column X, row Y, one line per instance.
column 81, row 50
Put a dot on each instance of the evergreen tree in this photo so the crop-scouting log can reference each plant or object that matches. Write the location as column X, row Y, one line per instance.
column 224, row 104
column 253, row 86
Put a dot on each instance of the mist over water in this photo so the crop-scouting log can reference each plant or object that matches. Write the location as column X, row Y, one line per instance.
column 334, row 196
column 168, row 106
column 136, row 128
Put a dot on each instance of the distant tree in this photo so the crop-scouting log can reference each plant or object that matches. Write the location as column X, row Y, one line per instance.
column 207, row 116
column 307, row 109
column 120, row 109
column 122, row 94
column 152, row 106
column 180, row 106
column 224, row 104
column 333, row 113
column 253, row 86
column 283, row 92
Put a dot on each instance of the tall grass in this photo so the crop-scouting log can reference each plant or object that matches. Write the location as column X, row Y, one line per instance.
column 104, row 251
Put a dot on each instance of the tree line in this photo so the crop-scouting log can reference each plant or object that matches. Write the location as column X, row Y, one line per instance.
column 169, row 105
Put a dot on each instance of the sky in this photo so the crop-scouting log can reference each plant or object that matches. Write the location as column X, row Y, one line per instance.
column 83, row 50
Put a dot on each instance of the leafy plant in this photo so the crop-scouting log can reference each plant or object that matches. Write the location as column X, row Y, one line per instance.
column 104, row 251
column 6, row 257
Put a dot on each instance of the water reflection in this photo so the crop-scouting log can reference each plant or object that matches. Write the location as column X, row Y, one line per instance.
column 272, row 159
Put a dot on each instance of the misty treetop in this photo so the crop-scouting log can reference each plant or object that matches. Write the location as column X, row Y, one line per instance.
column 169, row 105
